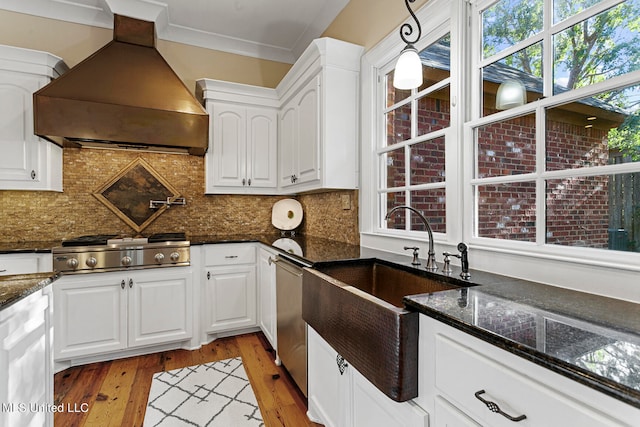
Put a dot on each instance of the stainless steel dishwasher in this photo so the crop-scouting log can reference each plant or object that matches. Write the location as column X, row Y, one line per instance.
column 291, row 328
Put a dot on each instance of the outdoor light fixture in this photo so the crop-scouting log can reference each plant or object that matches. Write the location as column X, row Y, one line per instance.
column 408, row 72
column 511, row 93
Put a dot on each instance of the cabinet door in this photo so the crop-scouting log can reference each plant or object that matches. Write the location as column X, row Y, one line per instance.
column 288, row 143
column 328, row 391
column 267, row 295
column 19, row 160
column 159, row 306
column 89, row 314
column 262, row 146
column 25, row 361
column 308, row 153
column 230, row 298
column 229, row 145
column 372, row 408
column 447, row 415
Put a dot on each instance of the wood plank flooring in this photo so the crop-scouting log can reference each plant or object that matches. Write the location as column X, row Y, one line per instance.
column 115, row 393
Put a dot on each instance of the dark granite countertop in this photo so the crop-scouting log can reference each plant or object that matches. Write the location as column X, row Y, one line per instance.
column 591, row 339
column 26, row 247
column 304, row 248
column 15, row 287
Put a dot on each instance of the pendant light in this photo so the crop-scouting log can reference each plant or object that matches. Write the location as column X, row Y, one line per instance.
column 511, row 93
column 408, row 71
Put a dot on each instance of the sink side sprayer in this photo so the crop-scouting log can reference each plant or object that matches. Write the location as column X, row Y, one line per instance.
column 431, row 256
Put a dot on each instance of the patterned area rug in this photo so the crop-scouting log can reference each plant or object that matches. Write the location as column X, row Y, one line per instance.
column 216, row 394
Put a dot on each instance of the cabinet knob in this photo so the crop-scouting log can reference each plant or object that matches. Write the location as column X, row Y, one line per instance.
column 244, row 182
column 342, row 364
column 33, row 174
column 493, row 407
column 208, row 275
column 122, row 284
column 130, row 283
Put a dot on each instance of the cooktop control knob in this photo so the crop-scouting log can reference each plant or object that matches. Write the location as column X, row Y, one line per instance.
column 175, row 256
column 159, row 258
column 72, row 263
column 126, row 261
column 91, row 262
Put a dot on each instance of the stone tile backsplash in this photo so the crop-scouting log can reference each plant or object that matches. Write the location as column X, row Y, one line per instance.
column 50, row 216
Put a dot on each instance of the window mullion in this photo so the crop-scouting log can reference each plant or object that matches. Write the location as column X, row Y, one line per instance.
column 541, row 152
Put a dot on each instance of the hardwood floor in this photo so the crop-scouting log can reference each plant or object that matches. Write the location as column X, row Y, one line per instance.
column 115, row 393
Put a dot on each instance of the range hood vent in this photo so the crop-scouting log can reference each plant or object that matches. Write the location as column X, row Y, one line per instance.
column 124, row 95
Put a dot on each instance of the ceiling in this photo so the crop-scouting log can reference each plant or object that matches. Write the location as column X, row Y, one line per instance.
column 278, row 30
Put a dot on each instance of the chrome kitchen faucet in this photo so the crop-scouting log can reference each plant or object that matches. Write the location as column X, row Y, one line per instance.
column 431, row 256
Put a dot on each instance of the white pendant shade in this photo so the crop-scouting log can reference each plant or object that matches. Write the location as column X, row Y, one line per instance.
column 408, row 72
column 511, row 93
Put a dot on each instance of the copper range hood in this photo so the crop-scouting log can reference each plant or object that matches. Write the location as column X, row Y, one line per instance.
column 123, row 96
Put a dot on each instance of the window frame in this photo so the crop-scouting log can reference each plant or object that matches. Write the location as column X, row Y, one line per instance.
column 583, row 269
column 590, row 256
column 437, row 16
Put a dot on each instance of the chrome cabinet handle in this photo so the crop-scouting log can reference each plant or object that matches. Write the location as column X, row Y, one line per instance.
column 342, row 364
column 130, row 283
column 231, row 256
column 122, row 284
column 272, row 260
column 493, row 407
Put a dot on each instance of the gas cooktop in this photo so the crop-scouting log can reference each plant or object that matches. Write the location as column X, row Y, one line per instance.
column 111, row 252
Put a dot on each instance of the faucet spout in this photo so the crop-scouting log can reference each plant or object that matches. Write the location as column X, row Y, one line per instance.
column 431, row 256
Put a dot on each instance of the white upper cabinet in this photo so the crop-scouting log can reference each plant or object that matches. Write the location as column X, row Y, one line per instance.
column 318, row 142
column 300, row 136
column 242, row 154
column 27, row 162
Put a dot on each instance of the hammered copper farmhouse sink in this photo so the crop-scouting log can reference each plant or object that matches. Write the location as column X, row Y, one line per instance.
column 356, row 306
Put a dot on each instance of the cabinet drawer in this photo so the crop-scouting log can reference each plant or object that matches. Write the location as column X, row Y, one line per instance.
column 461, row 373
column 230, row 254
column 18, row 264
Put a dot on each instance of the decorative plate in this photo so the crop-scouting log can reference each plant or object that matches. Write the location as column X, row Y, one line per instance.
column 286, row 214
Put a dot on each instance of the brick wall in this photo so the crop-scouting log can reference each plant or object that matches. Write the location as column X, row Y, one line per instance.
column 577, row 208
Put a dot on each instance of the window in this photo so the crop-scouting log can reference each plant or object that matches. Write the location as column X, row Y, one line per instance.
column 412, row 155
column 555, row 126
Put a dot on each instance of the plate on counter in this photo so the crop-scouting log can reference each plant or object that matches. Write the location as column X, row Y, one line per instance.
column 288, row 245
column 286, row 214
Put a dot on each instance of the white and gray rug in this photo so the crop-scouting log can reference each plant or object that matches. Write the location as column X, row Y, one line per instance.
column 216, row 394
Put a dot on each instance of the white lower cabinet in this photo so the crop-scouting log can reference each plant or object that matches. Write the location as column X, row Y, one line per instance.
column 470, row 382
column 105, row 312
column 267, row 294
column 26, row 390
column 448, row 415
column 340, row 396
column 229, row 287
